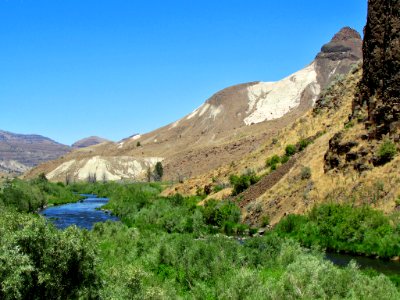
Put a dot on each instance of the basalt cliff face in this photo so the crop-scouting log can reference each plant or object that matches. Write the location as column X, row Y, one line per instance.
column 380, row 84
column 375, row 116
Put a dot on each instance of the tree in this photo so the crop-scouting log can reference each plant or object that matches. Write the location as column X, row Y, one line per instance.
column 68, row 179
column 148, row 174
column 104, row 177
column 158, row 171
column 92, row 178
column 42, row 177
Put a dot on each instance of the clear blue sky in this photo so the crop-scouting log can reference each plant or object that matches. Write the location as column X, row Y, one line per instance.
column 75, row 68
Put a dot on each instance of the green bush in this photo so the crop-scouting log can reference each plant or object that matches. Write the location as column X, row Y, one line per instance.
column 241, row 183
column 290, row 150
column 274, row 160
column 22, row 196
column 265, row 221
column 284, row 159
column 303, row 143
column 40, row 262
column 386, row 151
column 217, row 213
column 217, row 188
column 311, row 277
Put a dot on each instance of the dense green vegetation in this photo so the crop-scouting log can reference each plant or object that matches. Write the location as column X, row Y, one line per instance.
column 360, row 230
column 31, row 196
column 171, row 248
column 39, row 262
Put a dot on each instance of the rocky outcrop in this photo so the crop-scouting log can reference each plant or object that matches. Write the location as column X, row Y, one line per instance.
column 338, row 56
column 380, row 84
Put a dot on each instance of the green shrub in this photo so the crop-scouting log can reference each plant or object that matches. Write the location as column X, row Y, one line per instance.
column 22, row 196
column 284, row 159
column 311, row 277
column 241, row 183
column 305, row 173
column 217, row 213
column 265, row 221
column 290, row 150
column 274, row 160
column 39, row 262
column 303, row 143
column 217, row 188
column 386, row 151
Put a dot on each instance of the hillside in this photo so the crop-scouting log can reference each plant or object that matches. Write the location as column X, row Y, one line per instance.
column 89, row 141
column 229, row 125
column 350, row 140
column 20, row 152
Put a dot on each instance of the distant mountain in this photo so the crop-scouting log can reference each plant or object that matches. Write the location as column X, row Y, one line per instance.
column 20, row 152
column 228, row 126
column 89, row 141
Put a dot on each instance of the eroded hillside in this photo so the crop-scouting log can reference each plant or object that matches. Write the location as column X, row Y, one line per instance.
column 304, row 180
column 229, row 125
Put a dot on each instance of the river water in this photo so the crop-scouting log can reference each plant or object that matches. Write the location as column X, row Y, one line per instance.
column 387, row 267
column 83, row 214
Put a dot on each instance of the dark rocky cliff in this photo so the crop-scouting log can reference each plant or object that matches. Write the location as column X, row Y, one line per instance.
column 380, row 84
column 376, row 107
column 338, row 56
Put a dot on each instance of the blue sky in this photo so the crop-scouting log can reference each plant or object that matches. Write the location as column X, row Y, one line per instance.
column 71, row 69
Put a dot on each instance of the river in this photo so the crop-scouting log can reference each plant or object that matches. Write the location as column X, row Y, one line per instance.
column 386, row 267
column 83, row 214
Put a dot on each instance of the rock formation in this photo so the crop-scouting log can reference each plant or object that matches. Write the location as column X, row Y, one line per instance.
column 339, row 55
column 380, row 84
column 376, row 106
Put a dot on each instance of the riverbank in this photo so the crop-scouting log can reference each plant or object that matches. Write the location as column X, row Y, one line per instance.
column 170, row 248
